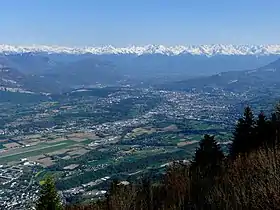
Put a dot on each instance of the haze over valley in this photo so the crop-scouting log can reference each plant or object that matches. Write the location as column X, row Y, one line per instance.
column 61, row 108
column 119, row 105
column 56, row 69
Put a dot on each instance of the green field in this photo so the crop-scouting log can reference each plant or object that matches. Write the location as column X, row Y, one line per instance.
column 26, row 152
column 202, row 125
column 87, row 141
column 139, row 131
column 195, row 137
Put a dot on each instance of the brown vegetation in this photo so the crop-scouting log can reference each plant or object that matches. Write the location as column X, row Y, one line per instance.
column 248, row 178
column 251, row 182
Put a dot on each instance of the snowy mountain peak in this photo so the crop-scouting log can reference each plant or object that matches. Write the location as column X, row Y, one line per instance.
column 208, row 50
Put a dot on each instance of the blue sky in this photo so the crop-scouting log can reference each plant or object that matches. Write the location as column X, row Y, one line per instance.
column 139, row 22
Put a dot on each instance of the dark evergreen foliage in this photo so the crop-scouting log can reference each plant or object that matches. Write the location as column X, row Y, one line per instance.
column 244, row 134
column 49, row 198
column 209, row 155
column 263, row 131
column 204, row 167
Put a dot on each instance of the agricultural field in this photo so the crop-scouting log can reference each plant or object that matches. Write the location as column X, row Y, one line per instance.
column 41, row 152
column 87, row 139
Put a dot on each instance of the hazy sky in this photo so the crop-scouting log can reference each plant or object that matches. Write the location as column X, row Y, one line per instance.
column 139, row 22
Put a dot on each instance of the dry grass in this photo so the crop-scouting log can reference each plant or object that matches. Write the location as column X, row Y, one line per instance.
column 251, row 182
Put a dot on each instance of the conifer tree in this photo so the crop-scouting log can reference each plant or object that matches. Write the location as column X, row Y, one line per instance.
column 261, row 132
column 49, row 198
column 209, row 154
column 204, row 168
column 243, row 139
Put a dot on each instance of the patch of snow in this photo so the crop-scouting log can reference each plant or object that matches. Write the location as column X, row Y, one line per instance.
column 15, row 90
column 233, row 81
column 9, row 81
column 271, row 70
column 208, row 50
column 80, row 90
column 250, row 72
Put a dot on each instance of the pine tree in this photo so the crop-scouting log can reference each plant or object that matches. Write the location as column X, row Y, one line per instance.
column 209, row 154
column 261, row 132
column 49, row 198
column 204, row 168
column 243, row 139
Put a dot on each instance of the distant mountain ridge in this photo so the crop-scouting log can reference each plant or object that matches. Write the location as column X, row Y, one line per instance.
column 38, row 73
column 266, row 78
column 49, row 72
column 12, row 80
column 208, row 50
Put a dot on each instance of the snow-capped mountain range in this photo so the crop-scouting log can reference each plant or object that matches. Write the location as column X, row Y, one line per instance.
column 208, row 50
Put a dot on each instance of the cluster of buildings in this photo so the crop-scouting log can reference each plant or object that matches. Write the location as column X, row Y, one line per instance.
column 15, row 191
column 17, row 187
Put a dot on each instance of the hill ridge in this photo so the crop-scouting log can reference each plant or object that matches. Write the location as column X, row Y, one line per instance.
column 207, row 50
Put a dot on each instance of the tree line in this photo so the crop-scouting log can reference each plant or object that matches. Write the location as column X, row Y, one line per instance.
column 245, row 178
